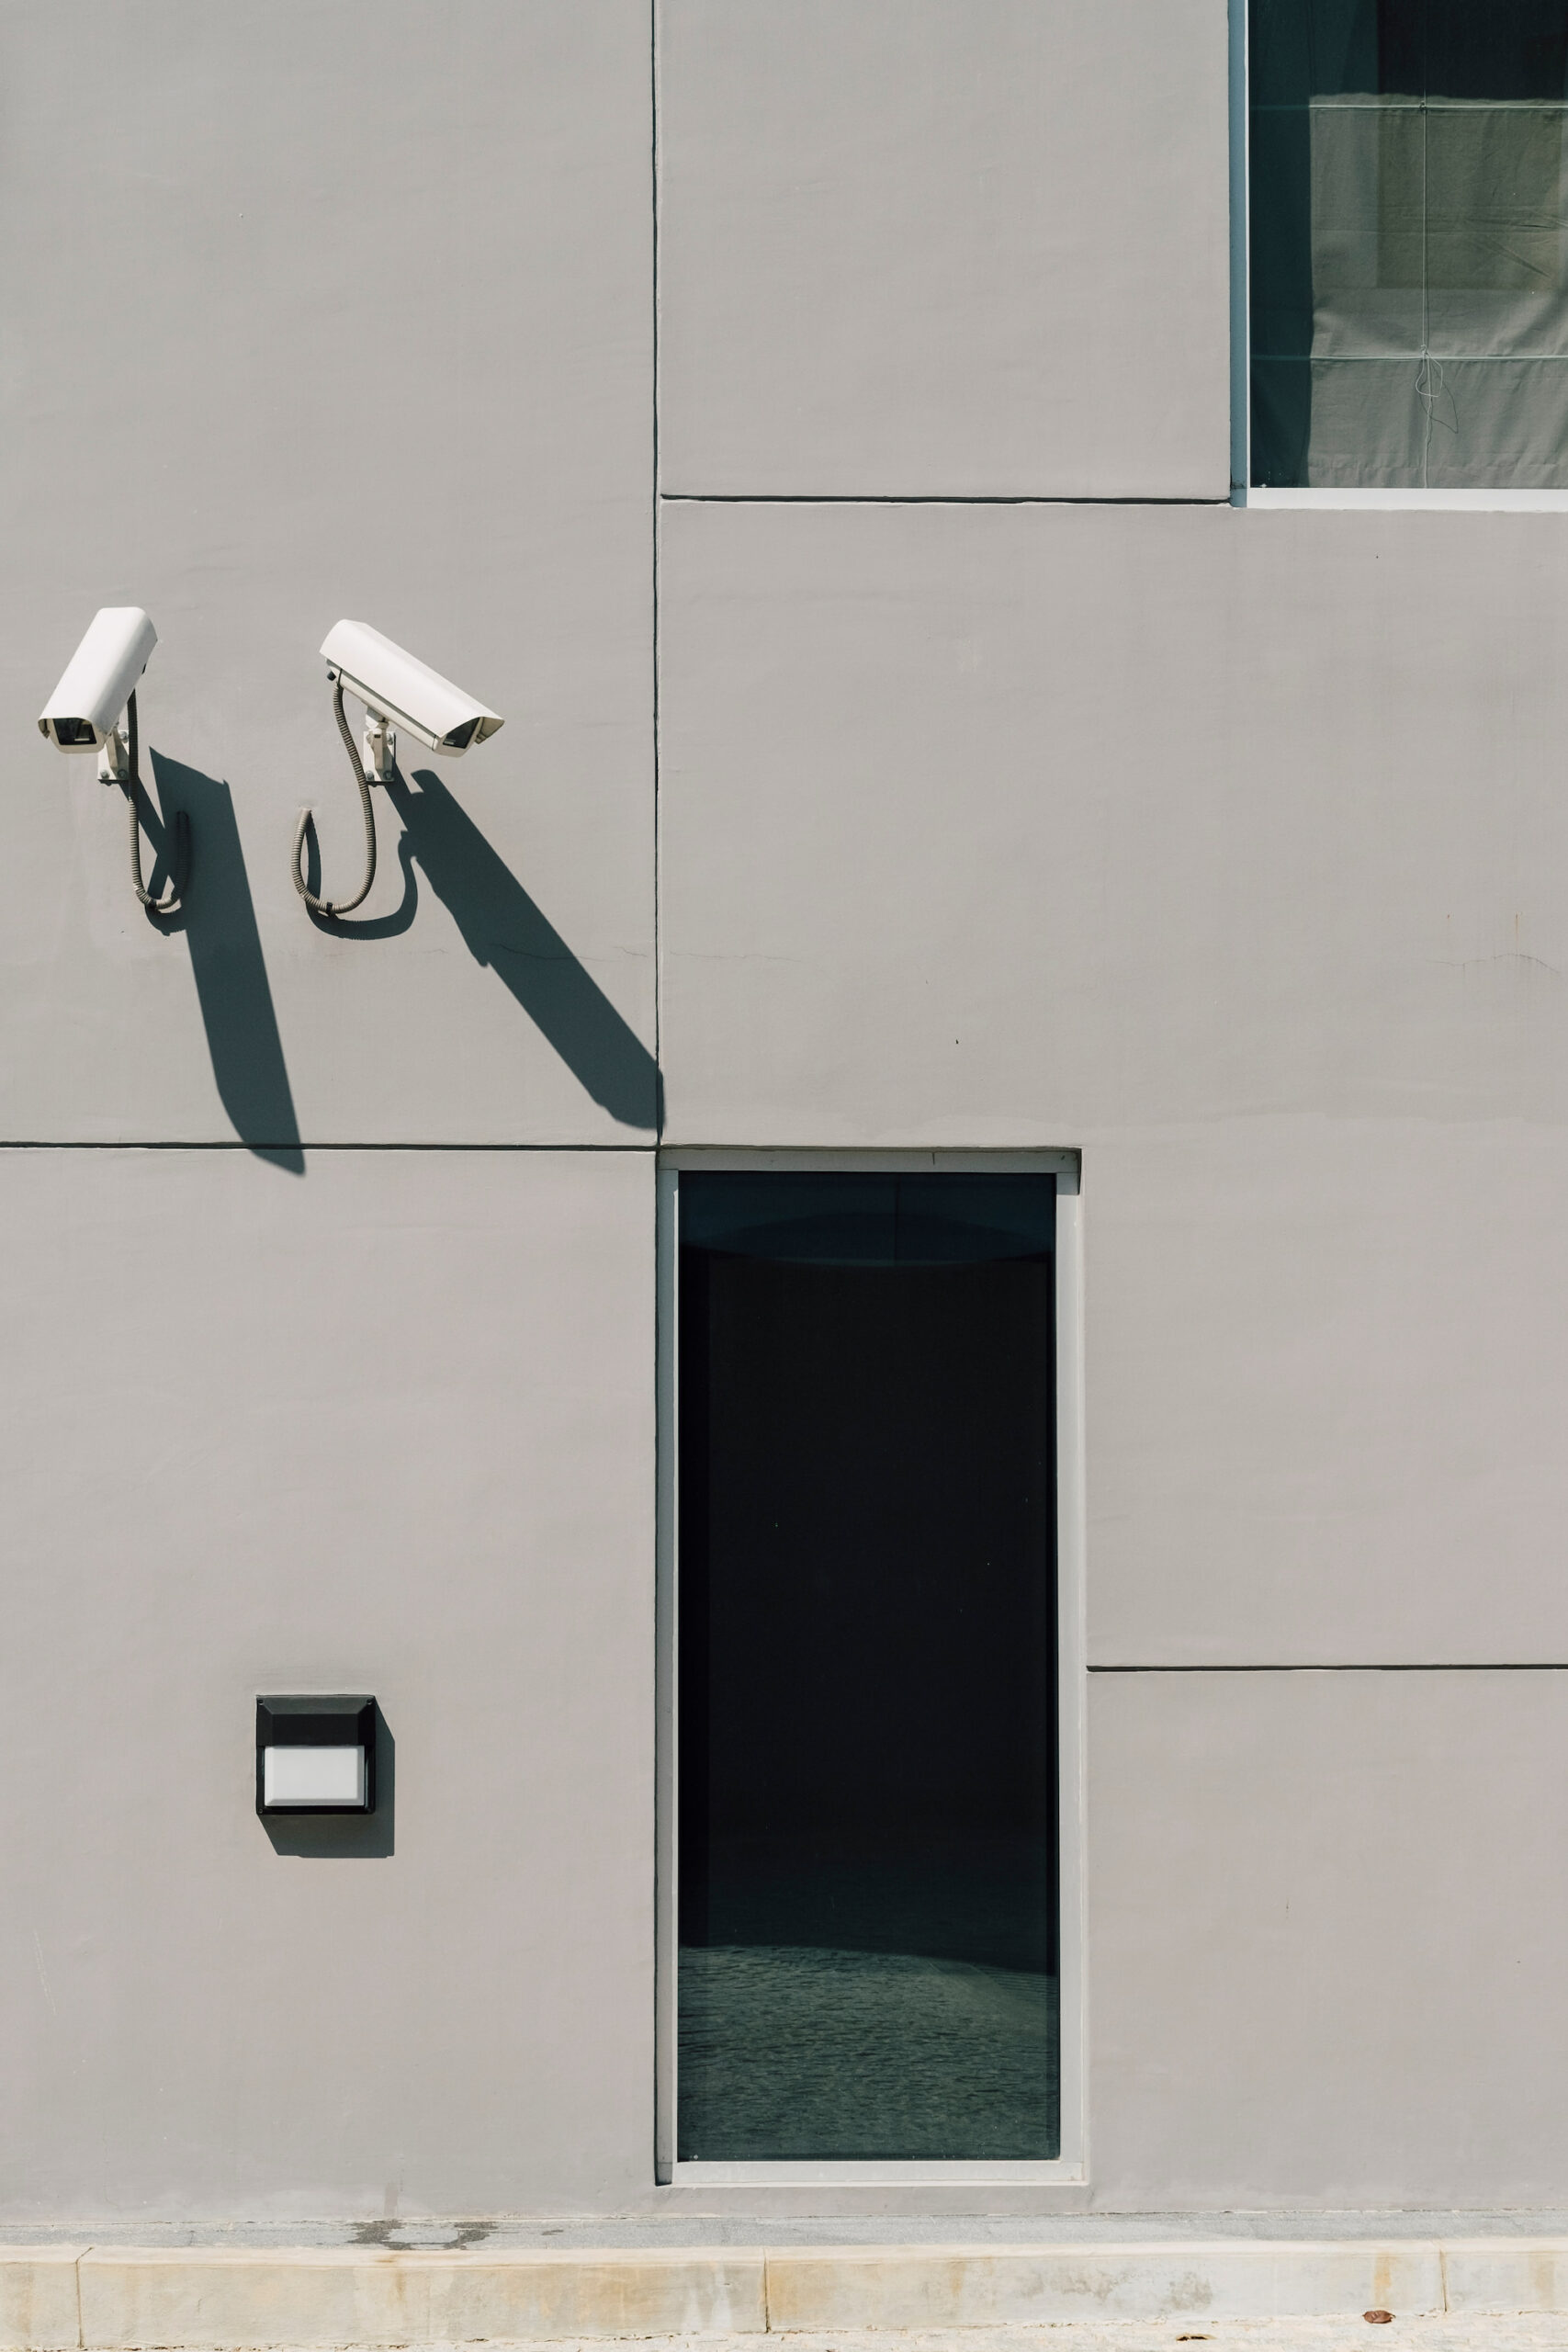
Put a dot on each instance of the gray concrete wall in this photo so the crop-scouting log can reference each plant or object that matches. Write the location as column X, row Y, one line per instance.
column 1326, row 1926
column 1222, row 846
column 948, row 248
column 312, row 313
column 390, row 1428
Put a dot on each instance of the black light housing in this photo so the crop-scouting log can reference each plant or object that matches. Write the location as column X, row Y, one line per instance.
column 316, row 1753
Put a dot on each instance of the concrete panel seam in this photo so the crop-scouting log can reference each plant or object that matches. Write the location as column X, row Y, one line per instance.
column 321, row 1150
column 920, row 498
column 654, row 522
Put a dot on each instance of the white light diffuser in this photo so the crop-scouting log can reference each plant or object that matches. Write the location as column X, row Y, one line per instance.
column 326, row 1776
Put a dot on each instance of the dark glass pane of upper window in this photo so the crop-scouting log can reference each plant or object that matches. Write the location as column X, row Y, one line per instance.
column 1297, row 51
column 1507, row 50
column 833, row 1220
column 1409, row 243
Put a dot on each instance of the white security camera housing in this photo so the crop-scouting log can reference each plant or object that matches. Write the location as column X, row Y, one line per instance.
column 397, row 691
column 84, row 712
column 395, row 686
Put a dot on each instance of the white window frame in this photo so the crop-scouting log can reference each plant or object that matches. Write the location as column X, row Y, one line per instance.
column 1069, row 2169
column 1521, row 502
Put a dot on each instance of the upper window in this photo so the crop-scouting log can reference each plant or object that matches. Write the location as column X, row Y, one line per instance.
column 1409, row 250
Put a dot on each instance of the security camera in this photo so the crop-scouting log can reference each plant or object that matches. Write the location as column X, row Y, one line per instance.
column 397, row 691
column 85, row 712
column 394, row 685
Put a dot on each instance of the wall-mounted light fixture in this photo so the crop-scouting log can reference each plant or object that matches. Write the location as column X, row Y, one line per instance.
column 397, row 691
column 316, row 1754
column 83, row 713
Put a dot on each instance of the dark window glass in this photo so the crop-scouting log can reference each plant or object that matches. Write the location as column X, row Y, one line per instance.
column 1409, row 235
column 866, row 1740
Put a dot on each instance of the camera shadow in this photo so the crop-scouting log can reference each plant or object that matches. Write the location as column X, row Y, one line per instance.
column 503, row 928
column 219, row 926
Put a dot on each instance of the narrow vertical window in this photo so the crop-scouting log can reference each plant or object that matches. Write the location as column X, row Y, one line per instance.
column 1409, row 297
column 867, row 1745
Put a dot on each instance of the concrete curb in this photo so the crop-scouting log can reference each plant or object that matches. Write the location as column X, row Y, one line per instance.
column 374, row 2295
column 936, row 2287
column 1506, row 2274
column 39, row 2304
column 131, row 2299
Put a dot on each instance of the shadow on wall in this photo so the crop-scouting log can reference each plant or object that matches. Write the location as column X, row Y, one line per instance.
column 231, row 987
column 503, row 927
column 346, row 1837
